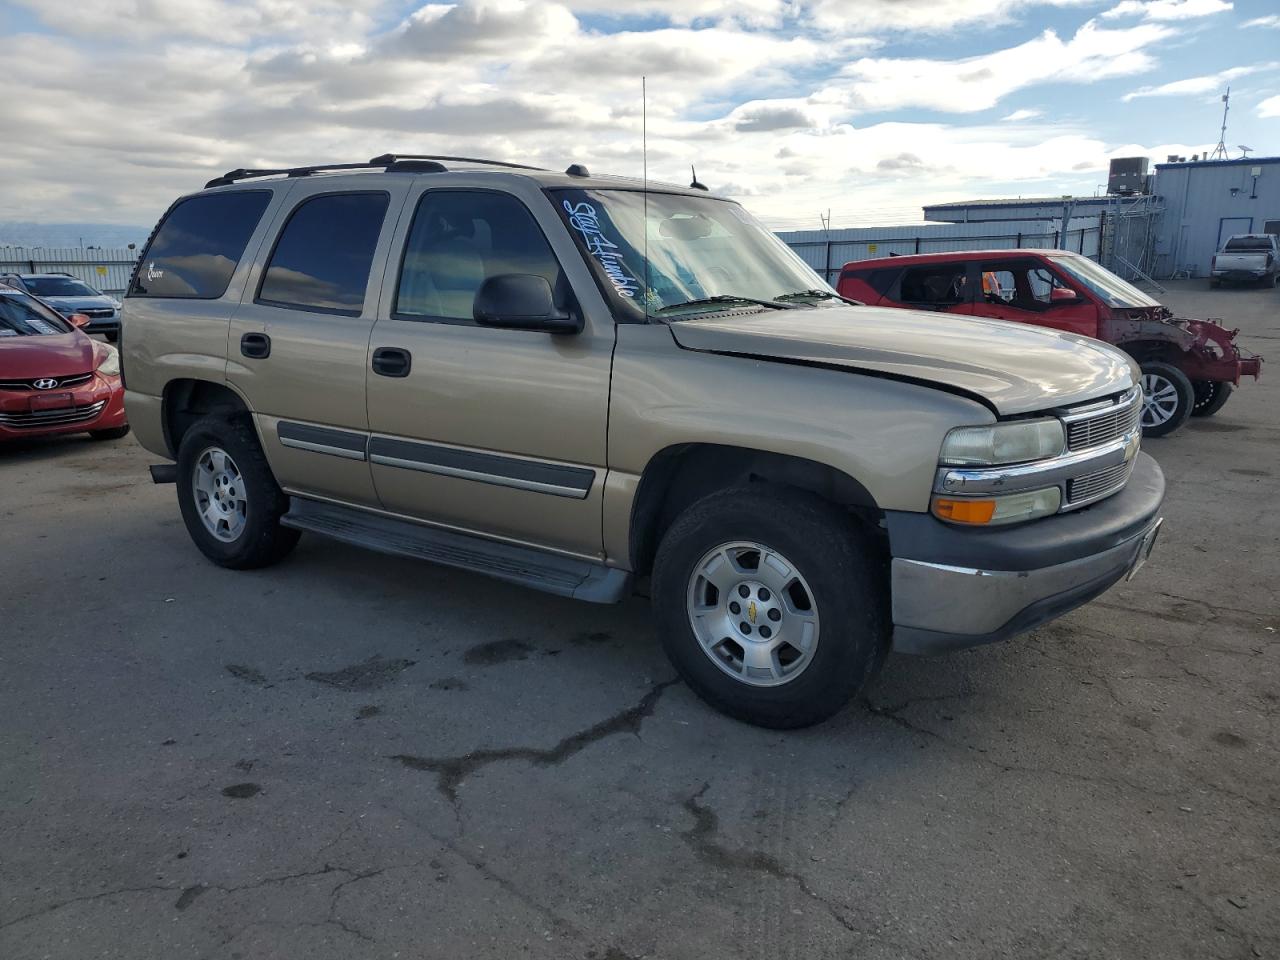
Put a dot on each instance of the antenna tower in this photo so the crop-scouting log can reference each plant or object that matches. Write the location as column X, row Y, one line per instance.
column 1220, row 151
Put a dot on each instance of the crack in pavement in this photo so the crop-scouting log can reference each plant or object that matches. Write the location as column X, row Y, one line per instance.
column 188, row 894
column 93, row 896
column 452, row 771
column 701, row 837
column 1119, row 783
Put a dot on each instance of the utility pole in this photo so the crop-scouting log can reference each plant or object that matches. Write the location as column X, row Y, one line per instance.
column 1220, row 151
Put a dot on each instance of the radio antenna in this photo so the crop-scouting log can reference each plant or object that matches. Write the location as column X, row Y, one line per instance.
column 644, row 155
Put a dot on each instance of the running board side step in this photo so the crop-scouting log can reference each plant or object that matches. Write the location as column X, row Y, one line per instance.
column 549, row 572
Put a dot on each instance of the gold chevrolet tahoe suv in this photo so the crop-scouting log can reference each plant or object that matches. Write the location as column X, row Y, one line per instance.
column 576, row 382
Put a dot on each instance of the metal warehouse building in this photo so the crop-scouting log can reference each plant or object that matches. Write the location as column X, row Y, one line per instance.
column 1174, row 232
column 1207, row 201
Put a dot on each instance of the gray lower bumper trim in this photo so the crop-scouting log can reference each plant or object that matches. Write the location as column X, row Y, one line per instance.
column 937, row 607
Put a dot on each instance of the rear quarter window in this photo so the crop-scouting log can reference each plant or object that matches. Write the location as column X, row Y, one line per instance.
column 878, row 280
column 197, row 246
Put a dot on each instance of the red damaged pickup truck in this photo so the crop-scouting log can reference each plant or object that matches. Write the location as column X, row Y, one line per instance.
column 1188, row 366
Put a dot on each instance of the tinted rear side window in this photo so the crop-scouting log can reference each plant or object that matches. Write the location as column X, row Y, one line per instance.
column 196, row 249
column 321, row 261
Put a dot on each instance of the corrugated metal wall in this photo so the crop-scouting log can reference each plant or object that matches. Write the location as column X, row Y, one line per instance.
column 827, row 253
column 1206, row 203
column 103, row 269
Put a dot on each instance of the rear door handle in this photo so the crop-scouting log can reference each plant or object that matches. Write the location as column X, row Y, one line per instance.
column 392, row 362
column 255, row 346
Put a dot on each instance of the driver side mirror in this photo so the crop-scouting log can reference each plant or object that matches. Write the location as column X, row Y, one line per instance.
column 1063, row 295
column 521, row 301
column 77, row 320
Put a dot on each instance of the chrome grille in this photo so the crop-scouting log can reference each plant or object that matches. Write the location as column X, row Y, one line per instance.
column 1095, row 486
column 24, row 419
column 1097, row 424
column 30, row 384
column 97, row 312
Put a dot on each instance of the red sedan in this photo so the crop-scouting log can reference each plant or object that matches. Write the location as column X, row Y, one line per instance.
column 53, row 377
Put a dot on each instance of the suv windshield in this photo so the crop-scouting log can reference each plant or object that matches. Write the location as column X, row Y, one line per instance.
column 1113, row 291
column 59, row 287
column 673, row 255
column 20, row 316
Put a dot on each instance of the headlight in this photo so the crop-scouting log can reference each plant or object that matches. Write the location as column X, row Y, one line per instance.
column 1006, row 508
column 109, row 365
column 1015, row 442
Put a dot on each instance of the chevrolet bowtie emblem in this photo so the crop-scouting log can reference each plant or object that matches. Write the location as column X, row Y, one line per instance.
column 751, row 611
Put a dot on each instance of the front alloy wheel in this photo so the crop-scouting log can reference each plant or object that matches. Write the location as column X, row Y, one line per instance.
column 753, row 613
column 1167, row 398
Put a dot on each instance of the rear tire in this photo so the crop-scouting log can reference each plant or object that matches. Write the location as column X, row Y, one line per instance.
column 113, row 336
column 810, row 576
column 113, row 433
column 1167, row 398
column 228, row 496
column 1210, row 397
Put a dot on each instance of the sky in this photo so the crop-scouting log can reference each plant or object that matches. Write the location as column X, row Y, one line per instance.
column 864, row 108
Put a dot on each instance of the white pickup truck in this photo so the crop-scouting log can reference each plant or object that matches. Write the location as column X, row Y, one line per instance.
column 1247, row 256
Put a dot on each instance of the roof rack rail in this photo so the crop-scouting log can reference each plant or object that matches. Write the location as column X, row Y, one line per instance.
column 390, row 159
column 391, row 162
column 231, row 176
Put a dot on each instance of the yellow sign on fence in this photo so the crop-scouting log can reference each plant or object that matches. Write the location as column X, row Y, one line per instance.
column 102, row 271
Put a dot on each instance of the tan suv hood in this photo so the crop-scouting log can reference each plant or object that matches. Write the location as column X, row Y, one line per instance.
column 1014, row 368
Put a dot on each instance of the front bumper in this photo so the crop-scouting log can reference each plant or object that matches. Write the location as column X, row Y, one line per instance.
column 102, row 325
column 956, row 588
column 95, row 405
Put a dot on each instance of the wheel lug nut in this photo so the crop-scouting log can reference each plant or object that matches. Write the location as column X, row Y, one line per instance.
column 763, row 594
column 766, row 632
column 734, row 608
column 745, row 627
column 744, row 591
column 775, row 614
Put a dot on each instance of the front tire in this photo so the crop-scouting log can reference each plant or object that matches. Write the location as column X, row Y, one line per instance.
column 1167, row 398
column 771, row 604
column 229, row 499
column 1210, row 397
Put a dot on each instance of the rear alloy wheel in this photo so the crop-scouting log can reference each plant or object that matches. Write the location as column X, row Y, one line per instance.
column 1210, row 396
column 229, row 499
column 772, row 605
column 1167, row 398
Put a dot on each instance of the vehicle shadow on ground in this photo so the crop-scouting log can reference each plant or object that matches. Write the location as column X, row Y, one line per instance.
column 43, row 448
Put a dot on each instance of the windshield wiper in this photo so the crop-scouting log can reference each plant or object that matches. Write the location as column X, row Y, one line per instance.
column 815, row 295
column 723, row 298
column 806, row 295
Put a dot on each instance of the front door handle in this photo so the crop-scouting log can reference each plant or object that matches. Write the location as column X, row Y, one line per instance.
column 392, row 362
column 255, row 346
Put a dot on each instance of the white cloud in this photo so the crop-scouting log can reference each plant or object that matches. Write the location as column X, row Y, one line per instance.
column 1192, row 86
column 1168, row 9
column 778, row 100
column 1269, row 107
column 979, row 83
column 219, row 21
column 1272, row 22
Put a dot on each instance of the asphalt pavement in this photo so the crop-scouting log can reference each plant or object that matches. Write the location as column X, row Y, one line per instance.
column 350, row 755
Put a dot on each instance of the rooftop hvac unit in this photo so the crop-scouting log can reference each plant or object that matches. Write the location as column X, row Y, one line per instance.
column 1128, row 176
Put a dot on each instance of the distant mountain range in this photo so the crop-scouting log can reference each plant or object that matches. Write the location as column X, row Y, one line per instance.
column 19, row 233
